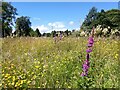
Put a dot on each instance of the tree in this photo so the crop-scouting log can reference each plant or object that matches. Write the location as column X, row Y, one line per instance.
column 0, row 28
column 44, row 34
column 67, row 32
column 53, row 33
column 32, row 33
column 92, row 15
column 48, row 34
column 110, row 18
column 23, row 25
column 38, row 33
column 114, row 17
column 0, row 20
column 102, row 11
column 8, row 15
column 70, row 32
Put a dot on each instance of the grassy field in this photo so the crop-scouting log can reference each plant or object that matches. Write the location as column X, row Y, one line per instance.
column 41, row 63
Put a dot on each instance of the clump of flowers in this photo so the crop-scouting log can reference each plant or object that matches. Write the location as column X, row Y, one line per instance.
column 55, row 38
column 60, row 36
column 86, row 63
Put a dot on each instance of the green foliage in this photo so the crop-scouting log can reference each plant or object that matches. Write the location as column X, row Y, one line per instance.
column 38, row 32
column 92, row 15
column 8, row 14
column 48, row 34
column 67, row 32
column 33, row 33
column 75, row 34
column 53, row 33
column 104, row 18
column 114, row 17
column 0, row 28
column 23, row 26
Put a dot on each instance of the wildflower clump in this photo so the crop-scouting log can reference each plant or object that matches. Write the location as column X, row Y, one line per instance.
column 86, row 63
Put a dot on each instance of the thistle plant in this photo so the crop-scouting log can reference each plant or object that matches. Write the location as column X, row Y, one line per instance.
column 86, row 63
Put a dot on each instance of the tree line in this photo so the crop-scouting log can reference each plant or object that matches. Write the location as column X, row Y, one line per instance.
column 109, row 18
column 23, row 24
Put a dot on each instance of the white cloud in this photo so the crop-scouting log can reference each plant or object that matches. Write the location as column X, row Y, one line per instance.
column 42, row 28
column 71, row 22
column 77, row 29
column 49, row 24
column 62, row 29
column 56, row 25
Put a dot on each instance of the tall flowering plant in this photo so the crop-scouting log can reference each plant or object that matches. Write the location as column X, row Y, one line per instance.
column 86, row 63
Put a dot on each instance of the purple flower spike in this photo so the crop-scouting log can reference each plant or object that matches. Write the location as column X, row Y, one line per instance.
column 88, row 50
column 87, row 56
column 85, row 68
column 90, row 42
column 86, row 64
column 83, row 74
column 91, row 38
column 90, row 45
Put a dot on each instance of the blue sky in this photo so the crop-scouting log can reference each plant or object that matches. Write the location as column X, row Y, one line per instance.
column 48, row 16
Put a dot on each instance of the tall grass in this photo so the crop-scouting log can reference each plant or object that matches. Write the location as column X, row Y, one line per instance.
column 41, row 63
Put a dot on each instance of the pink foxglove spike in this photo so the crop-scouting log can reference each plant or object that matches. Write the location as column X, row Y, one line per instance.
column 86, row 63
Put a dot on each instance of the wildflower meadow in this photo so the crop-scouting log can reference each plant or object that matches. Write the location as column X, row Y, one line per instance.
column 59, row 45
column 29, row 62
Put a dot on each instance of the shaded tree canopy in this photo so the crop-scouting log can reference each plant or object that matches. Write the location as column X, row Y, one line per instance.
column 67, row 32
column 114, row 17
column 23, row 25
column 104, row 18
column 8, row 15
column 92, row 15
column 32, row 33
column 38, row 32
column 53, row 33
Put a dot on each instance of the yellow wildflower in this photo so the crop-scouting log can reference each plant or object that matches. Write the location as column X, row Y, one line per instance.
column 28, row 82
column 13, row 78
column 7, row 75
column 116, row 56
column 36, row 66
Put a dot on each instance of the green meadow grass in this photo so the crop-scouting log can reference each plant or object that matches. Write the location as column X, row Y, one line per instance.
column 42, row 63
